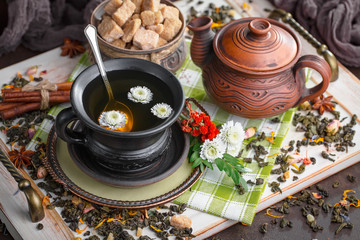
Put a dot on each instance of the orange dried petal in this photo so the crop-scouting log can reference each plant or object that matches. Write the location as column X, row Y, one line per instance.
column 316, row 195
column 271, row 214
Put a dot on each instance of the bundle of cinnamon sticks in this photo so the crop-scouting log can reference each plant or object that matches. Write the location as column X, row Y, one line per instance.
column 16, row 102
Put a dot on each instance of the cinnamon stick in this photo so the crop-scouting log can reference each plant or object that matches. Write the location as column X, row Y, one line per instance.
column 64, row 86
column 32, row 94
column 52, row 99
column 18, row 110
column 4, row 106
column 9, row 94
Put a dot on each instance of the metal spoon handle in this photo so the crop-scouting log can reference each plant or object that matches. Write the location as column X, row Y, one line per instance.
column 90, row 33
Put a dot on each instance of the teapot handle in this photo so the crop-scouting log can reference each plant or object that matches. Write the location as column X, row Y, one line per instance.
column 318, row 64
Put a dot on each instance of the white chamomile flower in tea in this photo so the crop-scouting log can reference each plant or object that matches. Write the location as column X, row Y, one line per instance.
column 211, row 150
column 112, row 119
column 161, row 110
column 140, row 94
column 232, row 134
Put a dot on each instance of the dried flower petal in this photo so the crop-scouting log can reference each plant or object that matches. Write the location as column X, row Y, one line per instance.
column 286, row 175
column 31, row 132
column 293, row 158
column 271, row 214
column 317, row 195
column 333, row 127
column 250, row 132
column 41, row 172
column 88, row 207
column 32, row 70
column 306, row 161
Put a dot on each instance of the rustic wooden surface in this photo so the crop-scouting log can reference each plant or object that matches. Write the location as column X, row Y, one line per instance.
column 252, row 232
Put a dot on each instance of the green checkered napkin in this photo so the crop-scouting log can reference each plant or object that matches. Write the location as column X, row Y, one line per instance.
column 214, row 192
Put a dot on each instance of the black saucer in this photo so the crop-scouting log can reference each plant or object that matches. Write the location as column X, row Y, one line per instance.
column 164, row 166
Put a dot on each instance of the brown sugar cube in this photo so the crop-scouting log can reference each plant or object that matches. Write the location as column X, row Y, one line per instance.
column 123, row 13
column 169, row 12
column 162, row 5
column 145, row 39
column 118, row 43
column 161, row 42
column 135, row 16
column 109, row 30
column 171, row 28
column 147, row 18
column 138, row 4
column 112, row 6
column 106, row 17
column 152, row 5
column 158, row 28
column 130, row 30
column 158, row 17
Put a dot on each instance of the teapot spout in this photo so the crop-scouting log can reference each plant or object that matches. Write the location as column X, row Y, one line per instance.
column 201, row 44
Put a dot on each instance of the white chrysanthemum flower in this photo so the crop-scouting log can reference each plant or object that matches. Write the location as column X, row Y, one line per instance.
column 233, row 151
column 210, row 150
column 112, row 119
column 161, row 110
column 232, row 134
column 140, row 94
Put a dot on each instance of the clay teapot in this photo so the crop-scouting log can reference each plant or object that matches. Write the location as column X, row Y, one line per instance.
column 252, row 67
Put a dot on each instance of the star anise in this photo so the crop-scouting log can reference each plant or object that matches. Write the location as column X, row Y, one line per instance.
column 21, row 157
column 71, row 48
column 323, row 104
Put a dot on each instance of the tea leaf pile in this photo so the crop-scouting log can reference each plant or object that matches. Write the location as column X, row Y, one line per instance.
column 315, row 133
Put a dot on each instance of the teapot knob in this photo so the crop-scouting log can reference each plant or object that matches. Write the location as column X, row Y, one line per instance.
column 259, row 28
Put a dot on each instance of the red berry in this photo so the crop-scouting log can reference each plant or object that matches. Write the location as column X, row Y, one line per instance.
column 195, row 132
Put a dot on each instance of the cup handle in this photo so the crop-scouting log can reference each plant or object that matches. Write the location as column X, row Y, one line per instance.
column 317, row 64
column 63, row 119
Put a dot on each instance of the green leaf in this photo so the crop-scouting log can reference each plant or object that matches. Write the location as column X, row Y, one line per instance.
column 197, row 146
column 192, row 141
column 197, row 162
column 201, row 167
column 230, row 159
column 220, row 164
column 194, row 156
column 235, row 176
column 243, row 183
column 207, row 164
column 228, row 169
column 240, row 168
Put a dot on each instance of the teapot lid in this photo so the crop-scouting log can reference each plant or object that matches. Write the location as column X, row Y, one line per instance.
column 256, row 45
